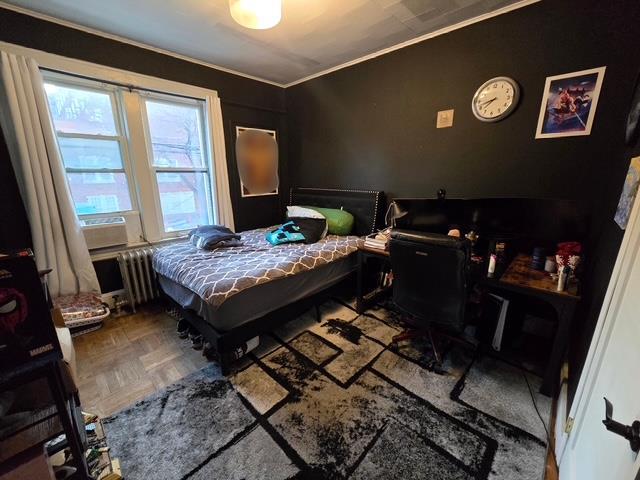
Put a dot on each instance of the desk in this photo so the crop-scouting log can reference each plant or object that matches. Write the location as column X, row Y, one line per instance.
column 363, row 300
column 520, row 278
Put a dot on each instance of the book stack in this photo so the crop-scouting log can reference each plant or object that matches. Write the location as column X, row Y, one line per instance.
column 377, row 241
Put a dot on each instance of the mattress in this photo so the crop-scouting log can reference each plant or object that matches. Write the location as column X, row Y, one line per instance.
column 254, row 303
column 233, row 285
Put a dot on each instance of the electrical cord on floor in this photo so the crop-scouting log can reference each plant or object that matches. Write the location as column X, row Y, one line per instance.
column 544, row 425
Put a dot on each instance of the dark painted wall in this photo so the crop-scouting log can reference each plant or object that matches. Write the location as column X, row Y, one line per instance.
column 244, row 100
column 373, row 124
column 375, row 121
column 265, row 210
column 14, row 227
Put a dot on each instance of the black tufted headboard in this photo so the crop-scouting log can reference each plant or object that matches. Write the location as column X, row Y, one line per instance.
column 367, row 206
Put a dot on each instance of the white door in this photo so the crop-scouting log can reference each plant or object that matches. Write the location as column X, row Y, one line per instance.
column 612, row 370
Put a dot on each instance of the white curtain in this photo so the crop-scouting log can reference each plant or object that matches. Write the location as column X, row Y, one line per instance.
column 223, row 196
column 58, row 241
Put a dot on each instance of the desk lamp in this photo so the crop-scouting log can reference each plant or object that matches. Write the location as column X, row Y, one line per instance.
column 394, row 212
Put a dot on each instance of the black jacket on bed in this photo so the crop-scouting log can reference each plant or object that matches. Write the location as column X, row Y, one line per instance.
column 208, row 237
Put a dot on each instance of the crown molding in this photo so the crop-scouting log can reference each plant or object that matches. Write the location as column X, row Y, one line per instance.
column 370, row 56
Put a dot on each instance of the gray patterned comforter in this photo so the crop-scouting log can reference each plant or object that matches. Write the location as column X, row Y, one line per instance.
column 216, row 275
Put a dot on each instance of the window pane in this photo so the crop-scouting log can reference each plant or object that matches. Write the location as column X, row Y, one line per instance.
column 175, row 134
column 183, row 197
column 90, row 153
column 76, row 110
column 99, row 192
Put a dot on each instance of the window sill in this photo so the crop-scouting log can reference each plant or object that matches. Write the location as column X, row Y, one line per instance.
column 110, row 253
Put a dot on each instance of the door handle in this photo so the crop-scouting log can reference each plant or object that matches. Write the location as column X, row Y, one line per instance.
column 630, row 432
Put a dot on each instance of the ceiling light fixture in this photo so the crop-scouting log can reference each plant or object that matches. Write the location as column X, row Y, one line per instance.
column 256, row 14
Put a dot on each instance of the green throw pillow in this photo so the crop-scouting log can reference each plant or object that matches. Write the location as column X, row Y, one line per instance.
column 339, row 222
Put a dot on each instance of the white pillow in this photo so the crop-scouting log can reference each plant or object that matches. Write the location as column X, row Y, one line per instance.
column 295, row 211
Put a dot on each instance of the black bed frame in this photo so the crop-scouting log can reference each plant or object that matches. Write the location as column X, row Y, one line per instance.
column 367, row 207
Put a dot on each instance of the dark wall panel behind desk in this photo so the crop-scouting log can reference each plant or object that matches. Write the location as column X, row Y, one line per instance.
column 373, row 124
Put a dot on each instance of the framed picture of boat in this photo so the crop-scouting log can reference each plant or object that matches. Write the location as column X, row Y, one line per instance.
column 569, row 103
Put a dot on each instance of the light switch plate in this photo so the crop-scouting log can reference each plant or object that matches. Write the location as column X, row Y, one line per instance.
column 445, row 119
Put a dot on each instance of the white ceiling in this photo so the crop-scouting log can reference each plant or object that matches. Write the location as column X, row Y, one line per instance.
column 314, row 35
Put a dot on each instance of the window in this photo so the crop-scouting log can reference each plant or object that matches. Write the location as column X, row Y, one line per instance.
column 139, row 154
column 179, row 162
column 91, row 144
column 104, row 203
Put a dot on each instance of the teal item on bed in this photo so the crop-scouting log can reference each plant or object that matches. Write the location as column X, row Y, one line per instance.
column 286, row 233
column 339, row 222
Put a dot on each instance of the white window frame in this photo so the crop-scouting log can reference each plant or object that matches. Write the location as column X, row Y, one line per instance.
column 152, row 232
column 207, row 169
column 133, row 221
column 120, row 137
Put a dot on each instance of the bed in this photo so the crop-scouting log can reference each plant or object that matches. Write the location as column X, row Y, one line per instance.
column 233, row 294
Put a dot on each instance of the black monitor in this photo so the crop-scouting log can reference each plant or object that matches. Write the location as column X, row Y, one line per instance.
column 530, row 221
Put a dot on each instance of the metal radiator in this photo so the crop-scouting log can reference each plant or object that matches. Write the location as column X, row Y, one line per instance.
column 138, row 276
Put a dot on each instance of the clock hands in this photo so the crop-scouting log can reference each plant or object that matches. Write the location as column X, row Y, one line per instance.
column 485, row 104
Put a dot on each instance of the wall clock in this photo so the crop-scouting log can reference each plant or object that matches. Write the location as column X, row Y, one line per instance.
column 495, row 99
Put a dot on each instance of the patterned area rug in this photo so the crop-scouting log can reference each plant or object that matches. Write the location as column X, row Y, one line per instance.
column 330, row 399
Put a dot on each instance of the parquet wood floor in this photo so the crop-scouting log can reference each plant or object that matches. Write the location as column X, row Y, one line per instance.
column 131, row 357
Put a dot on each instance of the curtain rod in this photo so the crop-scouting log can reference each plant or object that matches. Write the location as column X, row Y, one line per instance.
column 132, row 87
column 129, row 87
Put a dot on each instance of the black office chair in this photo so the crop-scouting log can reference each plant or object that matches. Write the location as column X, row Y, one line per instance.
column 430, row 283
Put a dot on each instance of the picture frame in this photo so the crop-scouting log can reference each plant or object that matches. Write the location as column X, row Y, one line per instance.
column 569, row 103
column 244, row 191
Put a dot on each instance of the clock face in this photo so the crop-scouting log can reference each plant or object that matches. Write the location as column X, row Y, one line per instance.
column 495, row 99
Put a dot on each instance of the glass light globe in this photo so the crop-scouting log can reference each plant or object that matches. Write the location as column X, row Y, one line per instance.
column 256, row 14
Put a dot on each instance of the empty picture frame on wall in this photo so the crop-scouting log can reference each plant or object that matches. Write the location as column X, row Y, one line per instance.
column 257, row 161
column 569, row 103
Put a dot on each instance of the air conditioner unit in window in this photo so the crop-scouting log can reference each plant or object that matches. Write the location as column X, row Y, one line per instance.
column 104, row 232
